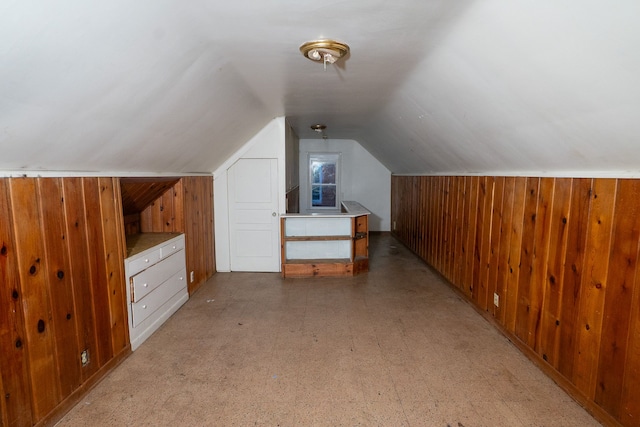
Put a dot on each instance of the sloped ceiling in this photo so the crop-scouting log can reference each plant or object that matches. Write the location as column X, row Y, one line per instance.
column 430, row 86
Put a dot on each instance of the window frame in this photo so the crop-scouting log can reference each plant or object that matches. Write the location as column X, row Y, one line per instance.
column 329, row 158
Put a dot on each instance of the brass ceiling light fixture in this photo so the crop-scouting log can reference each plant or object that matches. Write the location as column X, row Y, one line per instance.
column 319, row 128
column 325, row 51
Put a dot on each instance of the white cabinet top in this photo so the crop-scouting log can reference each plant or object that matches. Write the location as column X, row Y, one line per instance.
column 349, row 209
column 354, row 208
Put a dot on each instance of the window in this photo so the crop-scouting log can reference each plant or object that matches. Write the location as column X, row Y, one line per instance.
column 324, row 181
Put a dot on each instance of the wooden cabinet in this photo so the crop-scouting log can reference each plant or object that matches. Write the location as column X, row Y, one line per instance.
column 157, row 282
column 325, row 244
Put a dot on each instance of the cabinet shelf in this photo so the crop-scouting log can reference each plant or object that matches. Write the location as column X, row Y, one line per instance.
column 319, row 261
column 315, row 238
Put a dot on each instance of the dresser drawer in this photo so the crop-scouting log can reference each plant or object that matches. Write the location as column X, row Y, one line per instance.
column 145, row 307
column 138, row 264
column 149, row 279
column 172, row 247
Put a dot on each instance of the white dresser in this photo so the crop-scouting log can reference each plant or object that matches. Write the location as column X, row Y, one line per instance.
column 157, row 282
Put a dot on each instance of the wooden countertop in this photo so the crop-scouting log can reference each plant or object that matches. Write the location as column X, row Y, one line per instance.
column 137, row 243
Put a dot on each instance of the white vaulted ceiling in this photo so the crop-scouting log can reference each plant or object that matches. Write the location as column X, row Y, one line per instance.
column 430, row 86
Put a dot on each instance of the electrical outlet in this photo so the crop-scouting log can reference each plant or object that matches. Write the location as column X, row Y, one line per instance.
column 496, row 300
column 191, row 277
column 84, row 357
column 394, row 225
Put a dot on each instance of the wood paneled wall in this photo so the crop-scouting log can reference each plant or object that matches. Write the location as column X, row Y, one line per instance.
column 61, row 292
column 561, row 254
column 198, row 223
column 62, row 283
column 187, row 207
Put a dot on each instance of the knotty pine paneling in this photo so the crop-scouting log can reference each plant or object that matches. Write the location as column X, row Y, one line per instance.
column 53, row 234
column 541, row 240
column 97, row 270
column 159, row 215
column 61, row 292
column 467, row 285
column 504, row 243
column 16, row 404
column 138, row 192
column 594, row 285
column 573, row 271
column 515, row 255
column 562, row 256
column 198, row 220
column 554, row 273
column 33, row 267
column 623, row 261
column 453, row 213
column 494, row 250
column 526, row 260
column 630, row 404
column 460, row 231
column 78, row 247
column 187, row 207
column 114, row 242
column 482, row 254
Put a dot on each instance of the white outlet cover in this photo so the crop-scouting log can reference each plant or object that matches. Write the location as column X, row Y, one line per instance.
column 84, row 357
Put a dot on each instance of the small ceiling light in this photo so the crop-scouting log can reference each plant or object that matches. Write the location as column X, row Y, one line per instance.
column 319, row 128
column 325, row 51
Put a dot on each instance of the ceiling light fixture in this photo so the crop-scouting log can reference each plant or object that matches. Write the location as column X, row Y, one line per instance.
column 319, row 128
column 325, row 51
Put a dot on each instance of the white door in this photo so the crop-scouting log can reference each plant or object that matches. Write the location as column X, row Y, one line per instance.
column 254, row 228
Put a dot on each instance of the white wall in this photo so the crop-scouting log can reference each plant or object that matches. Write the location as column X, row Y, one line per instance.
column 266, row 144
column 364, row 178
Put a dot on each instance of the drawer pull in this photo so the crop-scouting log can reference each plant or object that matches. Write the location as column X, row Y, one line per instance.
column 144, row 306
column 173, row 247
column 182, row 278
column 145, row 285
column 146, row 260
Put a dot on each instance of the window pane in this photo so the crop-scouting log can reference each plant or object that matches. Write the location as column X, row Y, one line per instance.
column 323, row 172
column 316, row 197
column 323, row 196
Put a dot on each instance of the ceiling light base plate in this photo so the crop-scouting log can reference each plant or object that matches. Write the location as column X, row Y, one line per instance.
column 325, row 51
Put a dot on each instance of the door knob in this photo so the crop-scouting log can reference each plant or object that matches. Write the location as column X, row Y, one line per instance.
column 273, row 214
